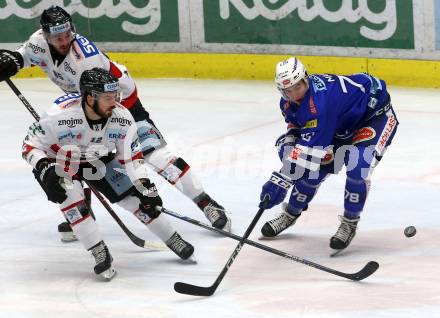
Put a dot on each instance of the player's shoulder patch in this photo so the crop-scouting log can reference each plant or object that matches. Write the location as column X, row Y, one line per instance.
column 67, row 101
column 37, row 44
column 318, row 84
column 121, row 116
column 87, row 47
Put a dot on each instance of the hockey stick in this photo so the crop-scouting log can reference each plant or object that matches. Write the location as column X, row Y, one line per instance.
column 136, row 240
column 366, row 271
column 184, row 288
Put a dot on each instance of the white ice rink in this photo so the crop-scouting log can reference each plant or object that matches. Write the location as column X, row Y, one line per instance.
column 226, row 131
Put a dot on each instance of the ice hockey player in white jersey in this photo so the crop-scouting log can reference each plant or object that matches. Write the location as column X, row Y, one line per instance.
column 84, row 137
column 63, row 55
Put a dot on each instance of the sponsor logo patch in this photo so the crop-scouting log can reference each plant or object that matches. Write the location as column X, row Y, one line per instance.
column 318, row 84
column 71, row 123
column 295, row 153
column 363, row 134
column 121, row 121
column 73, row 215
column 311, row 123
column 88, row 48
column 35, row 48
column 386, row 133
column 69, row 135
column 68, row 68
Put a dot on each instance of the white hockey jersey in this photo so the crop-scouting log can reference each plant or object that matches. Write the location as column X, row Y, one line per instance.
column 83, row 55
column 64, row 134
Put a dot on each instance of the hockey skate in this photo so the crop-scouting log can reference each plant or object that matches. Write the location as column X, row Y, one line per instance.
column 280, row 223
column 180, row 247
column 344, row 235
column 214, row 212
column 66, row 232
column 104, row 260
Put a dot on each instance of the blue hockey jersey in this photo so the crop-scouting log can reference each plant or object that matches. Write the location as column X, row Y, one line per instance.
column 334, row 106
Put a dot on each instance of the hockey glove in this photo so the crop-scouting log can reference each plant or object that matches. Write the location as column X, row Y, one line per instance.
column 10, row 63
column 285, row 143
column 276, row 189
column 147, row 193
column 50, row 181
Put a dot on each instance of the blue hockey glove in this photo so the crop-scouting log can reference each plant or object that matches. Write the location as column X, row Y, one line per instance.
column 285, row 141
column 276, row 189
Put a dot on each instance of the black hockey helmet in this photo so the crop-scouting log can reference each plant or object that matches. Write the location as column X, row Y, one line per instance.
column 56, row 20
column 97, row 80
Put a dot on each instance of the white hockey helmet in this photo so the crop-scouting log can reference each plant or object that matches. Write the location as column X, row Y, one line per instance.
column 288, row 73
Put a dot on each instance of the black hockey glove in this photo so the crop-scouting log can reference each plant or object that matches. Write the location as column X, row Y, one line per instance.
column 49, row 180
column 147, row 193
column 10, row 63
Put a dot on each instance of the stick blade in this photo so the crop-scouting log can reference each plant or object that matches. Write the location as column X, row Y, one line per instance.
column 188, row 289
column 368, row 269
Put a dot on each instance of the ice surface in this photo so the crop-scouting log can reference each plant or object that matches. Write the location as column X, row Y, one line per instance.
column 226, row 131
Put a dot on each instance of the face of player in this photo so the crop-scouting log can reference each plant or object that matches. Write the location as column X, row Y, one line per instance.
column 103, row 104
column 296, row 92
column 106, row 103
column 61, row 41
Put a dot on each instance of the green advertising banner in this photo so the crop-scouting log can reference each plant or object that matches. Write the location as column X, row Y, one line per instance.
column 101, row 21
column 342, row 23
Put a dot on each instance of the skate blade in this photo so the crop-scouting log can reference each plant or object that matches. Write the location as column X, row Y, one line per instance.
column 267, row 238
column 155, row 246
column 67, row 238
column 189, row 261
column 108, row 274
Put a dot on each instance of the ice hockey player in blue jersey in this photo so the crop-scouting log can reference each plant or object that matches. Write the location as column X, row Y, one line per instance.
column 332, row 121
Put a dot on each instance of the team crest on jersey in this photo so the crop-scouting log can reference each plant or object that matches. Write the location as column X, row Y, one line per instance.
column 311, row 123
column 363, row 134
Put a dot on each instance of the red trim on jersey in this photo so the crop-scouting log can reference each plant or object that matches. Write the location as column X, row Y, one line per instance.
column 180, row 175
column 115, row 70
column 26, row 149
column 137, row 156
column 72, row 205
column 171, row 162
column 55, row 147
column 130, row 100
